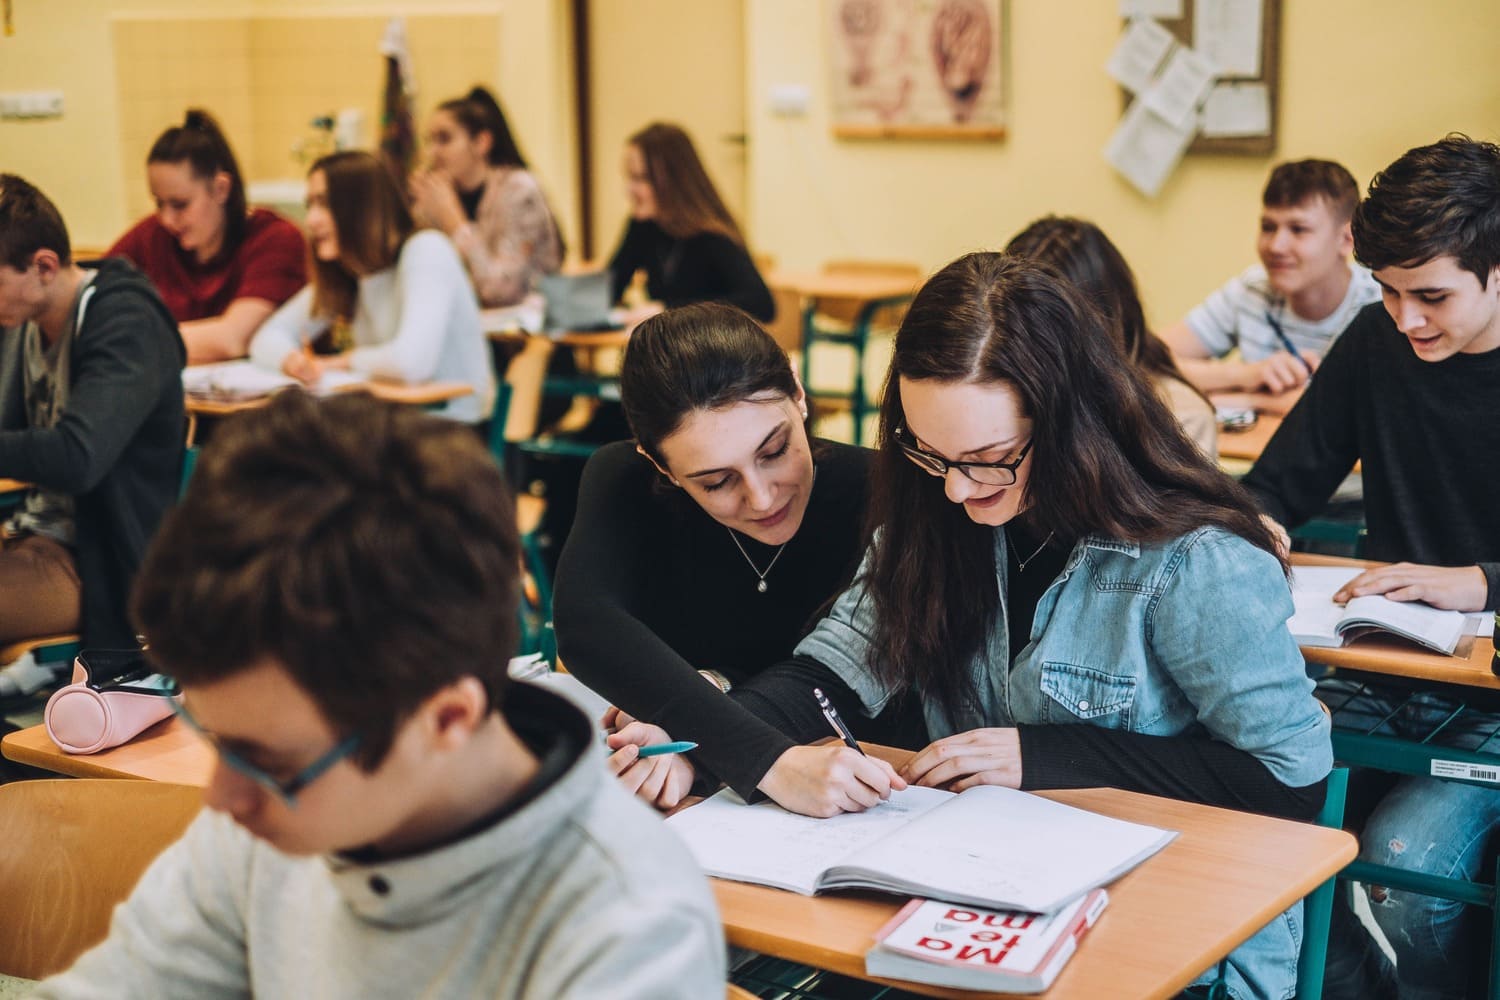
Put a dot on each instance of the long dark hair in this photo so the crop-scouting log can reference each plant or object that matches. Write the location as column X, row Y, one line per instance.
column 1107, row 458
column 1080, row 252
column 698, row 357
column 478, row 111
column 687, row 203
column 200, row 142
column 371, row 221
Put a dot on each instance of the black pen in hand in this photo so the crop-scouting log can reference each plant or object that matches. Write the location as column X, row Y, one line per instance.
column 832, row 715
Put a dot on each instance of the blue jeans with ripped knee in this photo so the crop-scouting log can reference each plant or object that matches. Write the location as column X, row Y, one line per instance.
column 1425, row 825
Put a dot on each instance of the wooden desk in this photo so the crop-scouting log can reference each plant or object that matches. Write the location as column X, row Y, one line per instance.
column 416, row 394
column 13, row 486
column 1396, row 657
column 168, row 751
column 1221, row 880
column 1248, row 444
column 850, row 285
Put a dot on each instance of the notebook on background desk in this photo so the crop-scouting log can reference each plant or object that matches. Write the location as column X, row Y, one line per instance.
column 579, row 303
column 1318, row 621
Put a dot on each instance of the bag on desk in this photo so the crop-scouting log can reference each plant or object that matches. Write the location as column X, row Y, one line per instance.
column 114, row 696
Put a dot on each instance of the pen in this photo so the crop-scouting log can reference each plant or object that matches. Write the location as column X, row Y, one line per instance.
column 832, row 715
column 1286, row 341
column 661, row 749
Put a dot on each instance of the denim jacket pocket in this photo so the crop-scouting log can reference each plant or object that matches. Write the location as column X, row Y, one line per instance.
column 1075, row 693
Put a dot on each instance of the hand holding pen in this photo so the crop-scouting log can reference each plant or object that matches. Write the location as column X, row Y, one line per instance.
column 832, row 715
column 1280, row 377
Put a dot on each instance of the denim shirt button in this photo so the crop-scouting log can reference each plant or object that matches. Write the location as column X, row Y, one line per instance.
column 1083, row 706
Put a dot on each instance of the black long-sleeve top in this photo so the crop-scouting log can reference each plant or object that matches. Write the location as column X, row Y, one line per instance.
column 1425, row 433
column 650, row 590
column 704, row 267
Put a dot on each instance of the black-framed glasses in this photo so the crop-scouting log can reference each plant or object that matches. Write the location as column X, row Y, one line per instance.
column 984, row 473
column 286, row 791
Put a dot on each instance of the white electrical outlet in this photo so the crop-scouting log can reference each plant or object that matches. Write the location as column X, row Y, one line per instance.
column 790, row 100
column 31, row 104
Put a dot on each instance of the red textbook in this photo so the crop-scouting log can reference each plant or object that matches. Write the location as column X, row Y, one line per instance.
column 971, row 948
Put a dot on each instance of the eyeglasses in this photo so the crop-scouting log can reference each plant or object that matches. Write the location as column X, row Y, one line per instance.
column 984, row 473
column 287, row 790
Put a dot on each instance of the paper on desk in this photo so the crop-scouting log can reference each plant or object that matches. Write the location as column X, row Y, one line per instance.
column 1227, row 33
column 1181, row 87
column 1139, row 52
column 1145, row 149
column 1169, row 9
column 1480, row 623
column 246, row 380
column 1234, row 109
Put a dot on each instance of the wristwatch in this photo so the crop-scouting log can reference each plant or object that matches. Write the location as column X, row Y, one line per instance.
column 717, row 679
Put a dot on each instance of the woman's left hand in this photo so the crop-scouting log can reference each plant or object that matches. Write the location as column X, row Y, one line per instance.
column 977, row 757
column 434, row 201
column 662, row 781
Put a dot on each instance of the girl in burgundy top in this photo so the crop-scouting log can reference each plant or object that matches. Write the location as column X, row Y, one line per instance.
column 220, row 268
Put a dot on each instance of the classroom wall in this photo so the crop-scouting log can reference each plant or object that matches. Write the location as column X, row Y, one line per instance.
column 81, row 159
column 1362, row 81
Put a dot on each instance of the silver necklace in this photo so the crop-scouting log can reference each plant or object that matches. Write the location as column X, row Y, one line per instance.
column 761, row 586
column 1021, row 563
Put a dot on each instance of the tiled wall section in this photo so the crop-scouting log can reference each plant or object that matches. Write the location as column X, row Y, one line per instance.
column 163, row 67
column 266, row 78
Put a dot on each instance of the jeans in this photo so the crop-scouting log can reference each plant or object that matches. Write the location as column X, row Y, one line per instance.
column 1425, row 825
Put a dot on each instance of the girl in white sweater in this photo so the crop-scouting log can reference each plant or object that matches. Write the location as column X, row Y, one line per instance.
column 383, row 301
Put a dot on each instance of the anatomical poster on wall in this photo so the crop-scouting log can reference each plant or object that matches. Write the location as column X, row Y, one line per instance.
column 917, row 68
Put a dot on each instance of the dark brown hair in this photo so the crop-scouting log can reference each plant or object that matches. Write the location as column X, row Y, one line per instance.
column 1294, row 182
column 372, row 222
column 1081, row 253
column 200, row 142
column 697, row 357
column 29, row 222
column 1438, row 200
column 687, row 203
column 1107, row 459
column 478, row 111
column 367, row 549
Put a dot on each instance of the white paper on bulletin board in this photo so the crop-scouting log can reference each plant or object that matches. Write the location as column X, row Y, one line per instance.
column 1227, row 32
column 1237, row 109
column 1146, row 148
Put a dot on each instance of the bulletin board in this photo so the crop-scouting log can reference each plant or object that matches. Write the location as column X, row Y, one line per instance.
column 1267, row 74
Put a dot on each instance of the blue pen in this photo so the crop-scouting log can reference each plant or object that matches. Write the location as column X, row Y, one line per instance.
column 1286, row 341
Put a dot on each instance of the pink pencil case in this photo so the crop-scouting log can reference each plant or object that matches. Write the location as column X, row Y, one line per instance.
column 90, row 715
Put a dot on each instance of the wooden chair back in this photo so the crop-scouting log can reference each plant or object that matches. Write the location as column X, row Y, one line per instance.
column 73, row 849
column 525, row 374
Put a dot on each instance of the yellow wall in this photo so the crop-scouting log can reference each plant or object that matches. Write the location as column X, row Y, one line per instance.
column 90, row 160
column 1362, row 81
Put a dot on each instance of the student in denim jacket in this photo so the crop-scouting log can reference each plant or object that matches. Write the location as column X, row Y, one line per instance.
column 1030, row 483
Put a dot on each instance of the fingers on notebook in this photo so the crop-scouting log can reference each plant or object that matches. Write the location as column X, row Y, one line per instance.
column 1452, row 588
column 976, row 757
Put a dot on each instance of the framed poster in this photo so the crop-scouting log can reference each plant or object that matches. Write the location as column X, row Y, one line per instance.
column 922, row 69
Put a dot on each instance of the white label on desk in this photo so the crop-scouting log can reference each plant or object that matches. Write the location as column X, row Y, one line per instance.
column 1465, row 770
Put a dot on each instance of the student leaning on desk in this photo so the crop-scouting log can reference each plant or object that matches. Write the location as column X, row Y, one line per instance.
column 91, row 413
column 402, row 295
column 1411, row 391
column 220, row 267
column 390, row 815
column 1283, row 313
column 1067, row 586
column 708, row 544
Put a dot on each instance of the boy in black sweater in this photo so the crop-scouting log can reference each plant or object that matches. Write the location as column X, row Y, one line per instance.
column 91, row 416
column 1412, row 391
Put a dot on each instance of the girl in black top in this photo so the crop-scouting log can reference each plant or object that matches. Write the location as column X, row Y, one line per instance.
column 707, row 545
column 680, row 232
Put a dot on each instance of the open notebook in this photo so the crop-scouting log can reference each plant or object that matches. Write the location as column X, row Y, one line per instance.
column 236, row 380
column 1317, row 621
column 986, row 846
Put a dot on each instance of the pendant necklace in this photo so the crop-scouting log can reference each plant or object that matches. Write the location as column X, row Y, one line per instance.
column 760, row 586
column 1021, row 563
